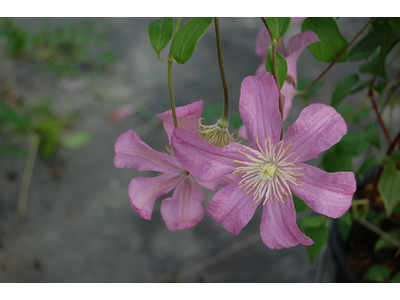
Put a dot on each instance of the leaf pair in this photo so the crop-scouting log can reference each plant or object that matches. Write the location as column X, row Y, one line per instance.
column 184, row 42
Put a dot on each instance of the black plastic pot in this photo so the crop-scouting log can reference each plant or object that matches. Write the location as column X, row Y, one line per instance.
column 344, row 271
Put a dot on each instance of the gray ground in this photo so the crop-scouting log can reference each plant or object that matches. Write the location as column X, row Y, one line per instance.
column 81, row 227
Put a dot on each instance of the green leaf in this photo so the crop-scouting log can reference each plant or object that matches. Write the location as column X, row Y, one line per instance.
column 353, row 143
column 49, row 131
column 335, row 161
column 277, row 28
column 382, row 243
column 386, row 36
column 320, row 237
column 236, row 120
column 395, row 155
column 313, row 221
column 331, row 42
column 378, row 273
column 281, row 66
column 302, row 84
column 299, row 204
column 349, row 112
column 212, row 111
column 396, row 278
column 75, row 140
column 344, row 224
column 367, row 164
column 372, row 135
column 364, row 48
column 160, row 33
column 395, row 24
column 343, row 88
column 186, row 39
column 376, row 66
column 389, row 189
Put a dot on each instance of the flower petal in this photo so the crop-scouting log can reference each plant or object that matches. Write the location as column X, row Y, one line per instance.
column 244, row 134
column 296, row 45
column 262, row 43
column 288, row 91
column 143, row 192
column 187, row 116
column 132, row 152
column 214, row 184
column 318, row 128
column 278, row 225
column 184, row 209
column 202, row 159
column 326, row 193
column 259, row 107
column 232, row 207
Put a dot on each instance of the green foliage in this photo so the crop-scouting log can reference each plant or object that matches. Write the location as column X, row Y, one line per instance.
column 382, row 243
column 185, row 41
column 75, row 140
column 16, row 38
column 49, row 131
column 344, row 224
column 395, row 25
column 212, row 111
column 160, row 33
column 299, row 204
column 320, row 237
column 350, row 113
column 313, row 221
column 364, row 48
column 331, row 42
column 389, row 188
column 367, row 164
column 396, row 278
column 277, row 28
column 376, row 66
column 236, row 120
column 372, row 135
column 386, row 36
column 281, row 66
column 302, row 84
column 343, row 88
column 14, row 120
column 378, row 273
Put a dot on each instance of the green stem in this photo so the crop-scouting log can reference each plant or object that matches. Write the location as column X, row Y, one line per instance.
column 171, row 92
column 303, row 92
column 222, row 71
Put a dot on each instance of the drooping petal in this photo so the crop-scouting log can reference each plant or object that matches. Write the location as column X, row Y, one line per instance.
column 232, row 207
column 214, row 184
column 262, row 42
column 288, row 91
column 184, row 209
column 296, row 45
column 259, row 107
column 203, row 160
column 132, row 152
column 278, row 225
column 143, row 192
column 318, row 128
column 187, row 116
column 326, row 193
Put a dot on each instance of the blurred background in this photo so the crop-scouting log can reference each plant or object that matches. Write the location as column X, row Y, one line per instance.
column 68, row 89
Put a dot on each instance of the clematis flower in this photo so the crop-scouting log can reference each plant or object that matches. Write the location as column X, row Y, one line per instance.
column 272, row 169
column 184, row 208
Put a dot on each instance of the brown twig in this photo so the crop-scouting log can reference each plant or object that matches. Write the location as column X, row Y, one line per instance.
column 303, row 92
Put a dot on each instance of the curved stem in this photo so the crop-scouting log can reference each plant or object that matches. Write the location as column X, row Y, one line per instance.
column 222, row 71
column 303, row 92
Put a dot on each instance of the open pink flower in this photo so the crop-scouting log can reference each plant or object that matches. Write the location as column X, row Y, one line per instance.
column 270, row 171
column 184, row 209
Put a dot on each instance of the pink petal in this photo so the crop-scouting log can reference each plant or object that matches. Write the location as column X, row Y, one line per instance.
column 202, row 159
column 187, row 116
column 143, row 192
column 259, row 107
column 244, row 134
column 184, row 209
column 296, row 46
column 261, row 69
column 132, row 152
column 262, row 42
column 278, row 225
column 232, row 207
column 120, row 113
column 214, row 184
column 326, row 193
column 317, row 129
column 288, row 92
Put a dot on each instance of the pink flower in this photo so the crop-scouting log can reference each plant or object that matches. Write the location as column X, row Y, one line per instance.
column 270, row 171
column 184, row 209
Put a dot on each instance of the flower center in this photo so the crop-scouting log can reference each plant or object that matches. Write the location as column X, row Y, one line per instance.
column 269, row 171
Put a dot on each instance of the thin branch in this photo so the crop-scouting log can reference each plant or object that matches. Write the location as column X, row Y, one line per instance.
column 303, row 92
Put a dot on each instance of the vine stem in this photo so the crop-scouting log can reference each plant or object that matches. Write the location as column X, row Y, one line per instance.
column 379, row 174
column 274, row 70
column 171, row 92
column 375, row 107
column 303, row 92
column 222, row 70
